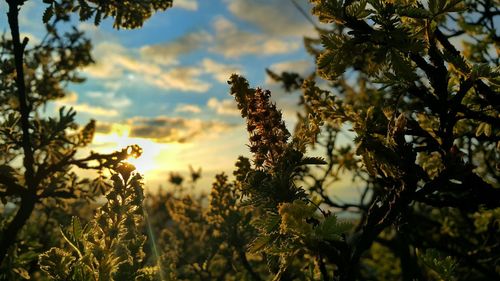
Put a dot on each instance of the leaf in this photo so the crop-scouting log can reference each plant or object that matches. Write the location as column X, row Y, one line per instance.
column 402, row 66
column 312, row 161
column 77, row 228
column 28, row 256
column 268, row 224
column 330, row 65
column 56, row 263
column 23, row 273
column 438, row 7
column 487, row 130
column 329, row 11
column 483, row 128
column 47, row 14
column 434, row 6
column 414, row 12
column 454, row 6
column 358, row 9
column 71, row 241
column 259, row 243
column 458, row 61
column 369, row 163
column 7, row 171
column 330, row 229
column 482, row 70
column 97, row 17
column 444, row 266
column 285, row 262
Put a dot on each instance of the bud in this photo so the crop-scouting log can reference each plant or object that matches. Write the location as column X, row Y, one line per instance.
column 125, row 169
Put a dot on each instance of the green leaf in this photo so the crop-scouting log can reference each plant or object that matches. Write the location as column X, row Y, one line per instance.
column 329, row 11
column 47, row 14
column 458, row 61
column 267, row 224
column 454, row 6
column 401, row 66
column 331, row 229
column 97, row 17
column 8, row 172
column 71, row 241
column 414, row 12
column 259, row 243
column 23, row 273
column 444, row 266
column 483, row 128
column 438, row 7
column 482, row 70
column 358, row 9
column 77, row 228
column 56, row 263
column 369, row 163
column 312, row 161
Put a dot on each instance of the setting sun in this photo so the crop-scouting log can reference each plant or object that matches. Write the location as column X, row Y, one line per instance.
column 119, row 138
column 249, row 140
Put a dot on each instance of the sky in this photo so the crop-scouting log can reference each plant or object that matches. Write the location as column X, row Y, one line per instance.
column 164, row 86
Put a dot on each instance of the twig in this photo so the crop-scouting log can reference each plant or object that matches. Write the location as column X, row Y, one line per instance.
column 304, row 13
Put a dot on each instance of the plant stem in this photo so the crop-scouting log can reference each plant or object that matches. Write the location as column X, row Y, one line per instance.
column 28, row 199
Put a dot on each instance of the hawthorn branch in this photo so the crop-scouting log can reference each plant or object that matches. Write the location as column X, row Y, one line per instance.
column 248, row 266
column 322, row 268
column 24, row 109
column 51, row 169
column 29, row 198
column 478, row 116
column 483, row 89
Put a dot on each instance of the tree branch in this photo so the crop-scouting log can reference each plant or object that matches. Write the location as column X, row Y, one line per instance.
column 29, row 199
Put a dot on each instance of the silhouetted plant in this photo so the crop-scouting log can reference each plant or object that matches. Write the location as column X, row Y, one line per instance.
column 425, row 118
column 110, row 246
column 31, row 77
column 422, row 116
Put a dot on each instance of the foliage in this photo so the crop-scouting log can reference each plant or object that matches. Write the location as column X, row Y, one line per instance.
column 423, row 116
column 39, row 154
column 202, row 236
column 110, row 246
column 127, row 14
column 426, row 135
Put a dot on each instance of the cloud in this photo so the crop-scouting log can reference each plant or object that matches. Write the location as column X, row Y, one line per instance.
column 95, row 110
column 180, row 78
column 168, row 53
column 191, row 108
column 136, row 66
column 191, row 5
column 114, row 62
column 107, row 55
column 110, row 98
column 164, row 129
column 158, row 65
column 97, row 33
column 226, row 39
column 232, row 42
column 221, row 72
column 274, row 17
column 174, row 129
column 103, row 127
column 71, row 101
column 223, row 107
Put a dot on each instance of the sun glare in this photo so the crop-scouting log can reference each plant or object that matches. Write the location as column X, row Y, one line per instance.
column 119, row 138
